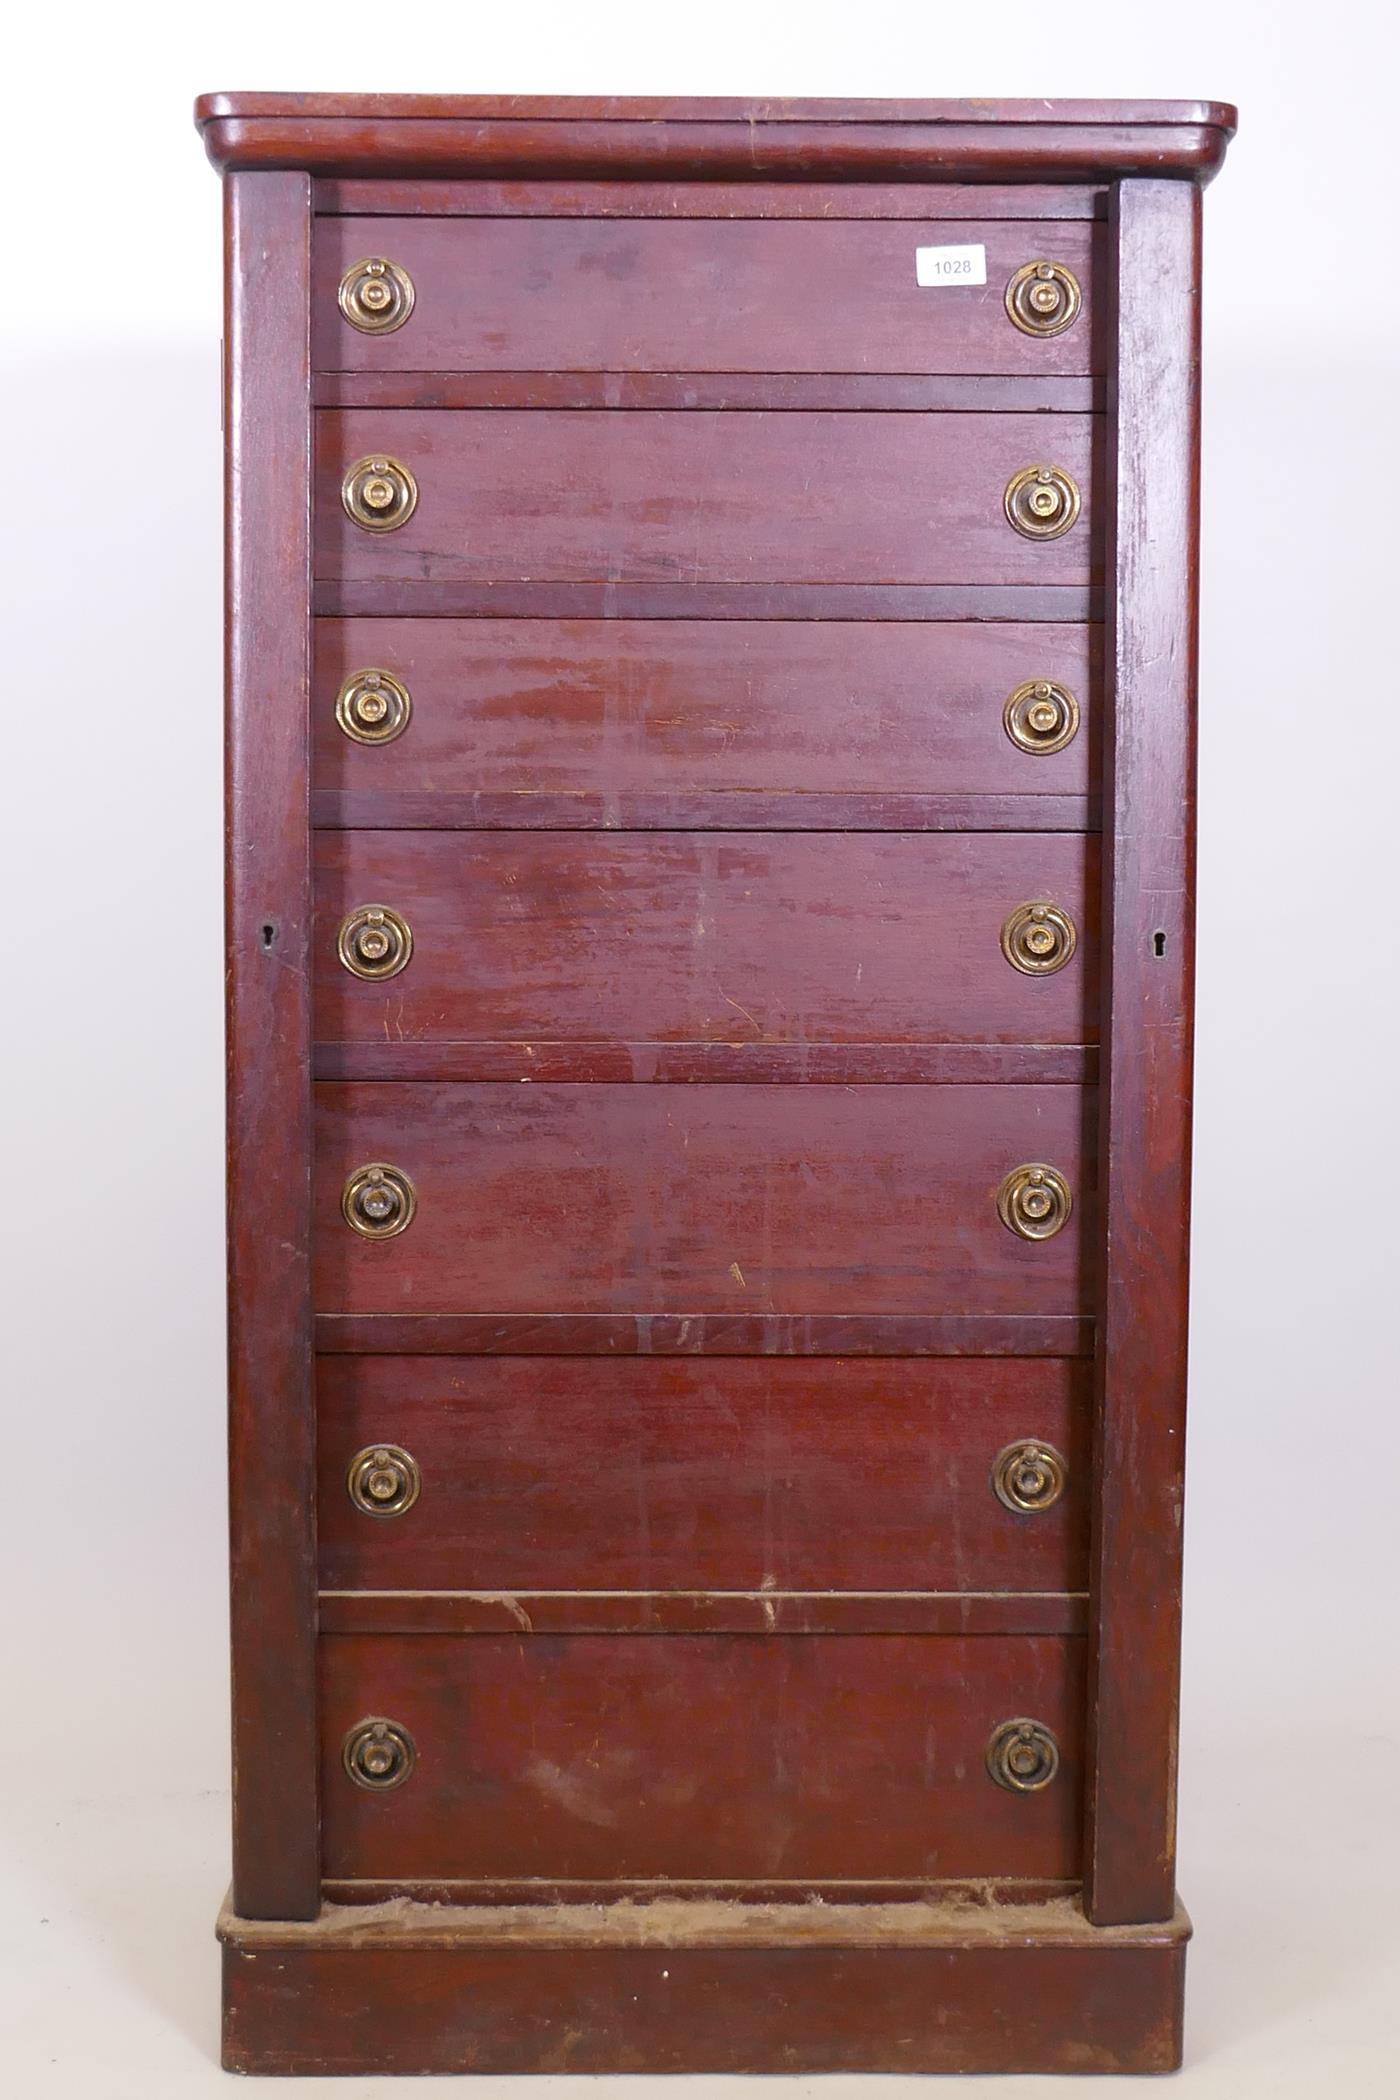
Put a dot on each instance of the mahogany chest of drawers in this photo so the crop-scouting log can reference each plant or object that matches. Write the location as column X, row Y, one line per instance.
column 711, row 597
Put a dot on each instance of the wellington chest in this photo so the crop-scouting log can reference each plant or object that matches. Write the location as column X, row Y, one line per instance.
column 711, row 662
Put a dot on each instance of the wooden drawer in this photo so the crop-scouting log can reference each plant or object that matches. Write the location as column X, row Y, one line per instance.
column 613, row 1757
column 701, row 1475
column 700, row 497
column 696, row 1199
column 589, row 718
column 698, row 295
column 702, row 937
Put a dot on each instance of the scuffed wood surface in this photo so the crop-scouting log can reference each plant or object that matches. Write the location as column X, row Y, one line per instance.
column 702, row 1475
column 968, row 1914
column 688, row 938
column 847, row 721
column 696, row 295
column 702, row 497
column 700, row 1199
column 712, row 1756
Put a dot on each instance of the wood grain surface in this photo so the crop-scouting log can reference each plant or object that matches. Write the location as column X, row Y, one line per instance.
column 1146, row 1109
column 267, row 922
column 696, row 295
column 690, row 937
column 704, row 497
column 739, row 1199
column 589, row 1986
column 717, row 1756
column 701, row 1475
column 598, row 714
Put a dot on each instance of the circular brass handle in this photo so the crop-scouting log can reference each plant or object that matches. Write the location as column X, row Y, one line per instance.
column 379, row 494
column 384, row 1480
column 379, row 1755
column 1041, row 716
column 373, row 707
column 378, row 1201
column 1034, row 1202
column 375, row 941
column 1038, row 939
column 376, row 296
column 1029, row 1476
column 1041, row 502
column 1043, row 298
column 1023, row 1756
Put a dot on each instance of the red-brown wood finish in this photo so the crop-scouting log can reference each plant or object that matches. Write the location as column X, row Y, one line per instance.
column 707, row 1986
column 742, row 722
column 696, row 295
column 698, row 1199
column 968, row 1613
column 706, row 1334
column 276, row 1867
column 706, row 1068
column 711, row 1757
column 1146, row 1104
column 413, row 198
column 747, row 140
column 697, row 497
column 917, row 393
column 696, row 937
column 685, row 1475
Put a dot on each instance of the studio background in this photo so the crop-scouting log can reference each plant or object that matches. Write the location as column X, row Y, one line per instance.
column 113, row 1808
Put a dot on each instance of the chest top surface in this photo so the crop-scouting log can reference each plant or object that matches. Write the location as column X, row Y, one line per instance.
column 732, row 137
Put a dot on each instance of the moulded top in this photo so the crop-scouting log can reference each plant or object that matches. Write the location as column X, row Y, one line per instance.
column 716, row 137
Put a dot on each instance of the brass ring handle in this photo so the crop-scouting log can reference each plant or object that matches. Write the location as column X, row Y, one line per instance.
column 379, row 494
column 373, row 707
column 1023, row 1756
column 378, row 1755
column 1034, row 1202
column 1039, row 939
column 384, row 1480
column 378, row 1201
column 1043, row 298
column 1041, row 716
column 1041, row 502
column 374, row 941
column 376, row 296
column 1029, row 1476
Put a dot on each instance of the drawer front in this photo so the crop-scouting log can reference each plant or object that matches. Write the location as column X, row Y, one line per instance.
column 696, row 1199
column 702, row 937
column 698, row 295
column 637, row 1474
column 619, row 707
column 708, row 1757
column 697, row 497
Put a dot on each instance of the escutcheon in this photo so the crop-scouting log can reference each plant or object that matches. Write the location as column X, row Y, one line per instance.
column 376, row 296
column 374, row 942
column 1041, row 716
column 1029, row 1476
column 378, row 1201
column 1034, row 1202
column 379, row 494
column 373, row 707
column 384, row 1480
column 1038, row 939
column 1041, row 502
column 379, row 1755
column 1043, row 298
column 1023, row 1756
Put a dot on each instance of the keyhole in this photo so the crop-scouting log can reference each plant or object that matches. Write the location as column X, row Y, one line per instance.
column 269, row 933
column 1159, row 945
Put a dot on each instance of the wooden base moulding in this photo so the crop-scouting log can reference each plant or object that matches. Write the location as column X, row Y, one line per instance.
column 701, row 1985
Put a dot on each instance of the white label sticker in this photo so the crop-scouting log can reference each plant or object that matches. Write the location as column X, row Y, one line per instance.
column 951, row 265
